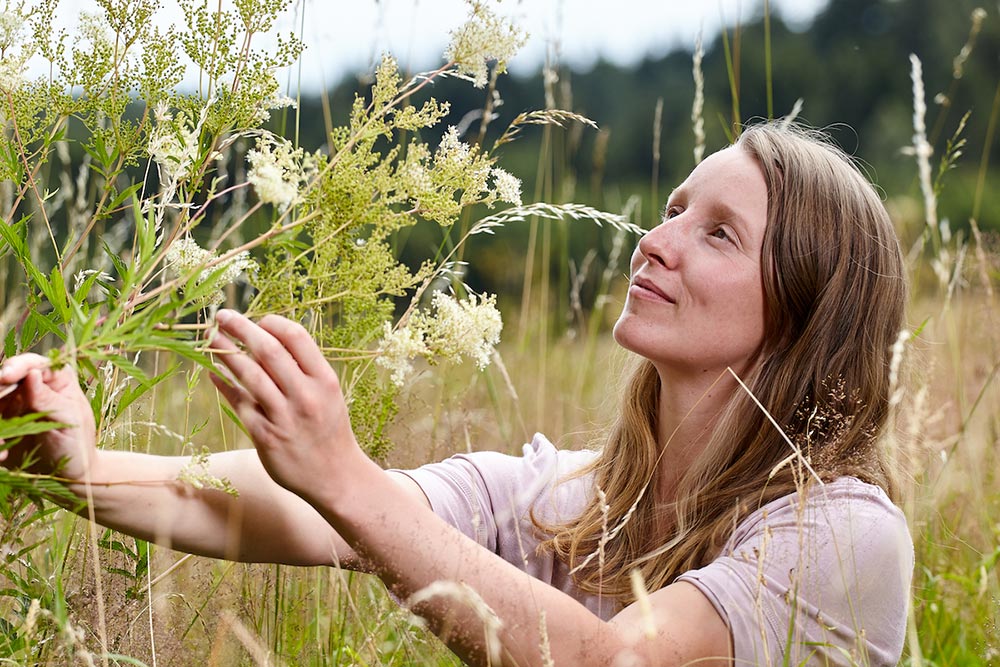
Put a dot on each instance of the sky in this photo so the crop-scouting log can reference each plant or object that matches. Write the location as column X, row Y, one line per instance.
column 349, row 36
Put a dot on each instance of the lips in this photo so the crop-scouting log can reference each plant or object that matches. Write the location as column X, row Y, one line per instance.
column 647, row 289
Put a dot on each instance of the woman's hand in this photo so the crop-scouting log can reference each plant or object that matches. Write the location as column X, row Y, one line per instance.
column 28, row 384
column 290, row 401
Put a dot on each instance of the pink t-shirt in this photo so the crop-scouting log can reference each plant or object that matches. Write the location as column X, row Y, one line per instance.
column 827, row 583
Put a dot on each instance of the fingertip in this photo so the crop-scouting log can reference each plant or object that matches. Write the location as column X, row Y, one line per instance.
column 224, row 316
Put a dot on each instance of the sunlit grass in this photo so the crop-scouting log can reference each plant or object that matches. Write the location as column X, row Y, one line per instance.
column 107, row 596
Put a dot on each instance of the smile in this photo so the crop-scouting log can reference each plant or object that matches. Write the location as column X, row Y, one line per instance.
column 643, row 289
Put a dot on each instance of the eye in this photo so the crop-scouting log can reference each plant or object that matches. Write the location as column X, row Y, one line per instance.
column 722, row 234
column 671, row 212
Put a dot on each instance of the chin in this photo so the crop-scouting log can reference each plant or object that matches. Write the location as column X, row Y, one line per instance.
column 629, row 338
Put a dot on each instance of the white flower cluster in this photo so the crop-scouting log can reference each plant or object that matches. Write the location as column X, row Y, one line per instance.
column 453, row 149
column 15, row 48
column 197, row 473
column 415, row 176
column 454, row 330
column 173, row 145
column 266, row 91
column 484, row 37
column 81, row 277
column 507, row 188
column 185, row 255
column 277, row 171
column 454, row 154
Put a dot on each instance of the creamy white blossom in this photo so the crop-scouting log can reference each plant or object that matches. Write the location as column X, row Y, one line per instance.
column 16, row 50
column 506, row 186
column 82, row 275
column 451, row 148
column 396, row 350
column 484, row 37
column 453, row 330
column 263, row 92
column 185, row 255
column 453, row 153
column 465, row 329
column 277, row 170
column 11, row 29
column 174, row 144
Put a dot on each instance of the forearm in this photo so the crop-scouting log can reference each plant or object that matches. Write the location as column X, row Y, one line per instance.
column 140, row 495
column 410, row 548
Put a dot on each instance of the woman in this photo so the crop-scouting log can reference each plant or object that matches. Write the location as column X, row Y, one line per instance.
column 775, row 263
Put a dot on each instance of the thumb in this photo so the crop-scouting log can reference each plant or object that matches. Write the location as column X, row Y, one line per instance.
column 40, row 397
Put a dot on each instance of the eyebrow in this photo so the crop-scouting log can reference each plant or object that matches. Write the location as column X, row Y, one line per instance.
column 717, row 208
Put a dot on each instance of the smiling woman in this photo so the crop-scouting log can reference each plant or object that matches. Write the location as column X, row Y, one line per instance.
column 701, row 267
column 698, row 532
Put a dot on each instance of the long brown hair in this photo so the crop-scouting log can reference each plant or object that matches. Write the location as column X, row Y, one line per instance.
column 835, row 295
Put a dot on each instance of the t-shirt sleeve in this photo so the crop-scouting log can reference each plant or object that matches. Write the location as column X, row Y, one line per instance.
column 824, row 581
column 482, row 494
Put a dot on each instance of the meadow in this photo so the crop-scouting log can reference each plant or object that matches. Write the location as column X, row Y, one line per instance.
column 133, row 209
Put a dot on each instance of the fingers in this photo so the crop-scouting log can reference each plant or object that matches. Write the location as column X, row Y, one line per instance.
column 299, row 343
column 38, row 393
column 281, row 347
column 14, row 370
column 247, row 409
column 258, row 387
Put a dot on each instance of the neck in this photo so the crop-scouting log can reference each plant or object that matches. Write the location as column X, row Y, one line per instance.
column 688, row 410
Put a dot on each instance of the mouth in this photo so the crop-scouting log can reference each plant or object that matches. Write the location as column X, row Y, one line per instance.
column 645, row 289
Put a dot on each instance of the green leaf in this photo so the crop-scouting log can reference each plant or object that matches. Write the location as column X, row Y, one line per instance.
column 10, row 343
column 120, row 198
column 37, row 487
column 228, row 411
column 128, row 366
column 120, row 267
column 58, row 295
column 30, row 424
column 36, row 326
column 145, row 229
column 111, row 544
column 14, row 237
column 132, row 393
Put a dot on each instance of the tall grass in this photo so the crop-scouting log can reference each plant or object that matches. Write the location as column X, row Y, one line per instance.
column 73, row 594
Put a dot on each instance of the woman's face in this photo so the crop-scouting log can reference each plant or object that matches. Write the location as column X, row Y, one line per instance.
column 695, row 303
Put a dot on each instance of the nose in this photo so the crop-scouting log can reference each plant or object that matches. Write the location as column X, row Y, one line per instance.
column 664, row 243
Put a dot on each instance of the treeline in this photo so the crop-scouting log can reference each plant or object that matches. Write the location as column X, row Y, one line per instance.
column 850, row 67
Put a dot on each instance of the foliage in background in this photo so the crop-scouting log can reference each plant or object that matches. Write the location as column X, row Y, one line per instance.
column 126, row 223
column 129, row 208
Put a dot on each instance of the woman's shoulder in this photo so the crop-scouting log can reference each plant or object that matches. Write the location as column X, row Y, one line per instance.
column 846, row 503
column 820, row 572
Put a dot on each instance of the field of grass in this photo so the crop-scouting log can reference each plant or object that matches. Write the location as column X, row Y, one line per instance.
column 74, row 593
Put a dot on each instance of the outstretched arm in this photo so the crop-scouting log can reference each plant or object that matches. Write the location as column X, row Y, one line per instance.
column 139, row 494
column 291, row 403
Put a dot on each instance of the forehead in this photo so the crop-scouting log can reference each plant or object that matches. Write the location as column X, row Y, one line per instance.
column 727, row 169
column 730, row 180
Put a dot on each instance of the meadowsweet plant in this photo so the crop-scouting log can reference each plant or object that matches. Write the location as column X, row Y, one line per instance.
column 132, row 255
column 452, row 330
column 135, row 204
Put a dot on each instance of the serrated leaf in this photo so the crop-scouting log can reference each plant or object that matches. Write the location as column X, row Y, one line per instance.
column 30, row 424
column 228, row 411
column 128, row 366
